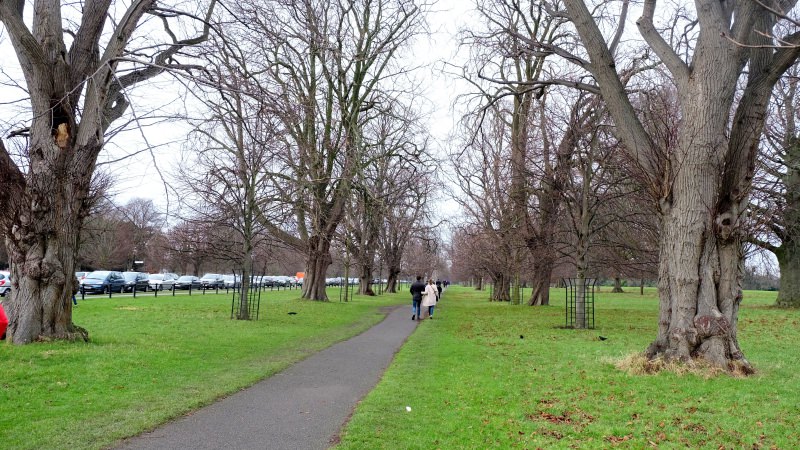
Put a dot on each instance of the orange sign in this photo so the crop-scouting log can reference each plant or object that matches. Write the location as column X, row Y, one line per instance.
column 300, row 275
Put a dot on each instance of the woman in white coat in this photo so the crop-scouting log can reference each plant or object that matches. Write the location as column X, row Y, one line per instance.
column 429, row 297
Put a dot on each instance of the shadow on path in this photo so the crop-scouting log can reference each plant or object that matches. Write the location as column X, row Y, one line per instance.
column 302, row 407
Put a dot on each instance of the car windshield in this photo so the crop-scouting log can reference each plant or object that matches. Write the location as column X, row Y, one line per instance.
column 130, row 276
column 211, row 276
column 156, row 277
column 99, row 275
column 185, row 278
column 228, row 277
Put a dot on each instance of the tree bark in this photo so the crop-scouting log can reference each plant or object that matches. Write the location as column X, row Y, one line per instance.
column 540, row 295
column 40, row 304
column 501, row 288
column 789, row 264
column 391, row 281
column 319, row 259
column 617, row 286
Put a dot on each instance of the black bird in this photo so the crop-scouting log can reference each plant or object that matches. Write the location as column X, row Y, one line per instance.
column 521, row 336
column 292, row 313
column 602, row 338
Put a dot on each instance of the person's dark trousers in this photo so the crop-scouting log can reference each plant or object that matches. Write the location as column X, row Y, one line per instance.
column 415, row 307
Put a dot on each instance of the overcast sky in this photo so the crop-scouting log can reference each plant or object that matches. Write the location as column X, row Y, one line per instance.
column 133, row 156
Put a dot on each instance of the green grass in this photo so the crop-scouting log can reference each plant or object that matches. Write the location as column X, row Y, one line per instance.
column 472, row 382
column 150, row 360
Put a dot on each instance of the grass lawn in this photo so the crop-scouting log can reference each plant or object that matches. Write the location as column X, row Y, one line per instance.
column 488, row 375
column 150, row 360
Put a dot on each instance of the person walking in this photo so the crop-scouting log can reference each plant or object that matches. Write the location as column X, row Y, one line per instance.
column 438, row 288
column 430, row 297
column 417, row 288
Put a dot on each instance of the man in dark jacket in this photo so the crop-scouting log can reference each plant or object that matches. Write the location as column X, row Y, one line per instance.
column 417, row 289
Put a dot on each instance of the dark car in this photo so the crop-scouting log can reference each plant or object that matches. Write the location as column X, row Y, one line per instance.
column 103, row 282
column 138, row 280
column 187, row 282
column 212, row 281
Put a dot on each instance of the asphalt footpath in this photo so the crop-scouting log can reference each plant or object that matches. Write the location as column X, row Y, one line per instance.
column 303, row 407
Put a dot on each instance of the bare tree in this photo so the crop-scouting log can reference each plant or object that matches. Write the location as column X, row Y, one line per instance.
column 327, row 66
column 483, row 170
column 397, row 166
column 702, row 185
column 775, row 205
column 76, row 92
column 228, row 184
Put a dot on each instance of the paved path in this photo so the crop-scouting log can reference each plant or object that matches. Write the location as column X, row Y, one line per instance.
column 302, row 407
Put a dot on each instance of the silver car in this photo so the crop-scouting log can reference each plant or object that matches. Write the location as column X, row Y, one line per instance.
column 162, row 281
column 5, row 283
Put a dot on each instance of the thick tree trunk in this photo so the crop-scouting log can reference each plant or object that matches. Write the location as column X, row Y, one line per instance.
column 365, row 280
column 789, row 264
column 617, row 286
column 391, row 282
column 43, row 247
column 319, row 259
column 788, row 254
column 540, row 295
column 701, row 259
column 501, row 288
column 40, row 303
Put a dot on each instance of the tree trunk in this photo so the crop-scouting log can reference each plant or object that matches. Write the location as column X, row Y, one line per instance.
column 788, row 254
column 617, row 286
column 501, row 288
column 365, row 280
column 789, row 264
column 701, row 257
column 391, row 281
column 319, row 259
column 40, row 304
column 43, row 247
column 540, row 296
column 244, row 299
column 641, row 287
column 479, row 284
column 581, row 318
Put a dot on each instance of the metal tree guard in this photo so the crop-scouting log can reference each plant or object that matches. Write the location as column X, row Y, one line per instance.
column 253, row 301
column 580, row 302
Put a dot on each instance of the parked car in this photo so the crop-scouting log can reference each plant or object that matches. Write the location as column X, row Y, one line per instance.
column 257, row 281
column 5, row 283
column 232, row 281
column 282, row 280
column 212, row 281
column 138, row 280
column 162, row 281
column 103, row 282
column 186, row 282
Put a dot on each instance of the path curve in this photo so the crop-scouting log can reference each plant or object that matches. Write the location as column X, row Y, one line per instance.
column 302, row 407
